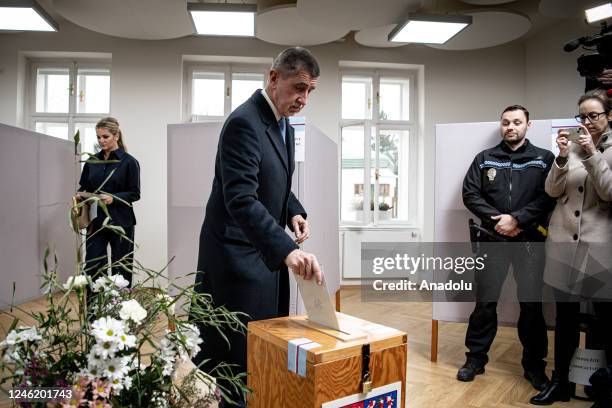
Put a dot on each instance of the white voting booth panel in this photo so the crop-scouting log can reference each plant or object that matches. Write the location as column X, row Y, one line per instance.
column 192, row 148
column 37, row 179
column 456, row 146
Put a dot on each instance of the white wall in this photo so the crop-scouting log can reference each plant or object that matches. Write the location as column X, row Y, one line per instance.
column 553, row 84
column 146, row 82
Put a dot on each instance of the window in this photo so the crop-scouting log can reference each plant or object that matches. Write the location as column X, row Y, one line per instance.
column 66, row 96
column 379, row 148
column 214, row 91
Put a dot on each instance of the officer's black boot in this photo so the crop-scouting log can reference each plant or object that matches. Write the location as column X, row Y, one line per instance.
column 557, row 390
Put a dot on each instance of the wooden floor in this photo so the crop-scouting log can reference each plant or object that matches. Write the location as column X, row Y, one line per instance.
column 433, row 384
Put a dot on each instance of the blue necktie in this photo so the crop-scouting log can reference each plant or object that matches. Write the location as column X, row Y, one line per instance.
column 282, row 127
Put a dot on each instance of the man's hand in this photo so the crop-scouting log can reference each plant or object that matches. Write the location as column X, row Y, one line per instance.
column 514, row 232
column 506, row 225
column 304, row 264
column 301, row 229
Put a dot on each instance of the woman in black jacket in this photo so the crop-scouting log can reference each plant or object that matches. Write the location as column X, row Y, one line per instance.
column 116, row 181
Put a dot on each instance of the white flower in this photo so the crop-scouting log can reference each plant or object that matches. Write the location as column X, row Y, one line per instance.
column 12, row 357
column 31, row 334
column 99, row 285
column 126, row 341
column 21, row 335
column 167, row 302
column 91, row 373
column 168, row 356
column 192, row 339
column 105, row 350
column 76, row 282
column 116, row 384
column 107, row 329
column 94, row 359
column 104, row 283
column 127, row 382
column 131, row 310
column 119, row 281
column 116, row 368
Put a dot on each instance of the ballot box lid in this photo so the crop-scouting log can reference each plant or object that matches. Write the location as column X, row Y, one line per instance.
column 280, row 331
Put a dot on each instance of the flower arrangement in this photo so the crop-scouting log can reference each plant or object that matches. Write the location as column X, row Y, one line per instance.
column 110, row 344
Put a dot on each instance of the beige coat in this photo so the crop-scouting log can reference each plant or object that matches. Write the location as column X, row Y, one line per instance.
column 580, row 230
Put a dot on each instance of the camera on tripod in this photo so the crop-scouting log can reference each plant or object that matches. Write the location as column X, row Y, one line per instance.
column 591, row 65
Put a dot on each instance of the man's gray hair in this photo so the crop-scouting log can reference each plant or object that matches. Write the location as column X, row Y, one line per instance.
column 295, row 59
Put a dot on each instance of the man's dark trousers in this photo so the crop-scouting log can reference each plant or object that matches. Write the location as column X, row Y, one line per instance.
column 527, row 260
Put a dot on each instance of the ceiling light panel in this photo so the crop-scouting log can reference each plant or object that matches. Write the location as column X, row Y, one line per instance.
column 24, row 16
column 599, row 13
column 223, row 19
column 429, row 29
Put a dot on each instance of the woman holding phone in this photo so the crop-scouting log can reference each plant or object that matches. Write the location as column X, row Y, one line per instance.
column 114, row 175
column 579, row 233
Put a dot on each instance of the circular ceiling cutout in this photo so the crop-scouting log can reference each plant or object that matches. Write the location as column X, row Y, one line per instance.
column 570, row 9
column 377, row 37
column 282, row 25
column 354, row 14
column 488, row 29
column 487, row 2
column 136, row 19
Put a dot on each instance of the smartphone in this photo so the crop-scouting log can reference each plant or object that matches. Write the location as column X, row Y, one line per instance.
column 573, row 133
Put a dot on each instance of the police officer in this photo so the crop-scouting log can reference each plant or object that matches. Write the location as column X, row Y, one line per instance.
column 504, row 187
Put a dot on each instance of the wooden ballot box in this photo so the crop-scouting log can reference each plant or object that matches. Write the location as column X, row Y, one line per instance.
column 295, row 363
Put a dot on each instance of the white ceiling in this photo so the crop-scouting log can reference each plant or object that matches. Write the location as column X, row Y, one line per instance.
column 310, row 22
column 551, row 8
column 137, row 19
column 355, row 14
column 488, row 29
column 283, row 25
column 377, row 37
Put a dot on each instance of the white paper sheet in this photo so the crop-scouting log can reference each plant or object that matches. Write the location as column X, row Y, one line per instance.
column 318, row 303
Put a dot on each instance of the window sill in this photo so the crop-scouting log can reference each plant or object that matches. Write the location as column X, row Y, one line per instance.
column 372, row 227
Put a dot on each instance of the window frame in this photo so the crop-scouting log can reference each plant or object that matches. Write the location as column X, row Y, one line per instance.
column 228, row 69
column 71, row 117
column 371, row 218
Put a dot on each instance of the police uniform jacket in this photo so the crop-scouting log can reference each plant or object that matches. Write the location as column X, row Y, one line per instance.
column 503, row 181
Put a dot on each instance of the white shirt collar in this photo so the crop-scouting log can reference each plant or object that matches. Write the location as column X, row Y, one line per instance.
column 274, row 110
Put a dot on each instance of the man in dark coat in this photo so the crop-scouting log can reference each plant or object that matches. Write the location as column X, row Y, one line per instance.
column 244, row 249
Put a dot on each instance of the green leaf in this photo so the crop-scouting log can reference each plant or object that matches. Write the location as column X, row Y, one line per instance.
column 77, row 140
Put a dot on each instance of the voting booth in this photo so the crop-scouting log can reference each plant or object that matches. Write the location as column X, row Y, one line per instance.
column 192, row 148
column 293, row 362
column 38, row 174
column 461, row 142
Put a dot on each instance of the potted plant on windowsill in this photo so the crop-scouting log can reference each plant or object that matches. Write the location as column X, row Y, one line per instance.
column 383, row 211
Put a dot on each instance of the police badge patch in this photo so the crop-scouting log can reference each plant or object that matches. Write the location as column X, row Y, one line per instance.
column 491, row 173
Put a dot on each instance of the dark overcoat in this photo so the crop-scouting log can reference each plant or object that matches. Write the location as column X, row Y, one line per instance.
column 243, row 242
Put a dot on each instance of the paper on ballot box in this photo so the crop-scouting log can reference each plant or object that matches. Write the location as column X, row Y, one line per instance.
column 318, row 303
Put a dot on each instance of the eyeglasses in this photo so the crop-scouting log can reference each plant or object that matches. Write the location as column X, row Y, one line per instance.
column 591, row 116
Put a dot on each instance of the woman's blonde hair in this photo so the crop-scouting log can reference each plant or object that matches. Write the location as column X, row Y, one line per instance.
column 112, row 125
